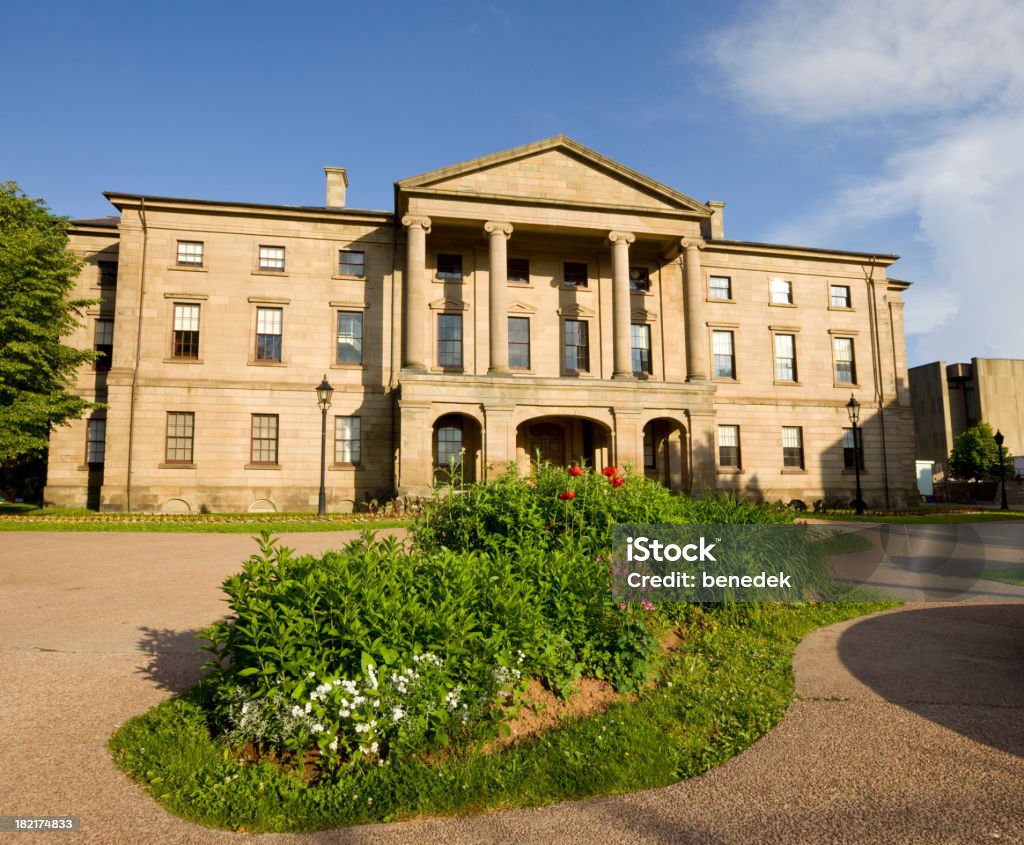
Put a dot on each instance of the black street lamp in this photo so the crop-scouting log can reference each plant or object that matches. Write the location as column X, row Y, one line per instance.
column 853, row 410
column 999, row 438
column 324, row 391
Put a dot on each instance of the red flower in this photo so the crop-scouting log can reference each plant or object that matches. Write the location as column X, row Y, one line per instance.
column 575, row 471
column 567, row 496
column 610, row 471
column 618, row 481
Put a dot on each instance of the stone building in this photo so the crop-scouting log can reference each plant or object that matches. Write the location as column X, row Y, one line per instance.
column 540, row 301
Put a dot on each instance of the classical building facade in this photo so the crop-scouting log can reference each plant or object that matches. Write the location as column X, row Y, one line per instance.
column 540, row 301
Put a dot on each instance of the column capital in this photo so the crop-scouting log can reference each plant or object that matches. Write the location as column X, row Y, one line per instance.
column 621, row 237
column 693, row 243
column 495, row 227
column 414, row 221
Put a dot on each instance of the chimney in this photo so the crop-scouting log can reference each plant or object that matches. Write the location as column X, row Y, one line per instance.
column 337, row 182
column 717, row 224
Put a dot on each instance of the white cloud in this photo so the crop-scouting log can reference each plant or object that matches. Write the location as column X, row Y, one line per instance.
column 960, row 65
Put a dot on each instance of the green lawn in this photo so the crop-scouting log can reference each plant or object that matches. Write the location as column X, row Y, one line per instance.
column 921, row 517
column 1006, row 576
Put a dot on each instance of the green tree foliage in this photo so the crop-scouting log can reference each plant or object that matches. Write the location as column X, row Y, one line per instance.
column 37, row 275
column 975, row 454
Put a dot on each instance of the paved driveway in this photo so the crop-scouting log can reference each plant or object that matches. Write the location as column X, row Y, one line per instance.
column 908, row 727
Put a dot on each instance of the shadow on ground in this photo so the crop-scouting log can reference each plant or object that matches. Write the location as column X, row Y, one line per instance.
column 960, row 666
column 175, row 658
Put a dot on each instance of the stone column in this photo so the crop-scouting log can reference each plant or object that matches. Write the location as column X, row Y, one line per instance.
column 414, row 349
column 622, row 361
column 696, row 337
column 497, row 235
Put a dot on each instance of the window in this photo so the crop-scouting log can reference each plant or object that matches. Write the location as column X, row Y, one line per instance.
column 95, row 442
column 350, row 337
column 729, row 446
column 519, row 270
column 186, row 330
column 724, row 358
column 268, row 334
column 574, row 273
column 577, row 346
column 785, row 357
column 649, row 454
column 272, row 258
column 351, row 263
column 348, row 440
column 190, row 253
column 264, row 439
column 104, row 344
column 180, row 432
column 792, row 447
column 108, row 272
column 519, row 342
column 449, row 267
column 449, row 340
column 839, row 296
column 449, row 443
column 641, row 342
column 719, row 287
column 849, row 449
column 782, row 292
column 639, row 279
column 846, row 372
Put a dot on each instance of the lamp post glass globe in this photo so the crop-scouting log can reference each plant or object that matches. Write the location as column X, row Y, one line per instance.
column 324, row 392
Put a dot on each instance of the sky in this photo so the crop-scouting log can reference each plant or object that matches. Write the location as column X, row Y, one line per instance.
column 885, row 127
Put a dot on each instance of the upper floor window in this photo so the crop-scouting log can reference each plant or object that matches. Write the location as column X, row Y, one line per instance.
column 264, row 438
column 104, row 344
column 781, row 292
column 577, row 346
column 449, row 267
column 719, row 287
column 268, row 334
column 839, row 296
column 729, row 446
column 575, row 273
column 272, row 258
column 351, row 263
column 639, row 279
column 641, row 347
column 846, row 370
column 96, row 442
column 108, row 272
column 792, row 447
column 180, row 436
column 519, row 270
column 185, row 341
column 350, row 338
column 348, row 448
column 519, row 342
column 724, row 357
column 190, row 253
column 785, row 357
column 449, row 341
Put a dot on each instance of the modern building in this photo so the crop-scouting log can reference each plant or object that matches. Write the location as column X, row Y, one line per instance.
column 540, row 301
column 949, row 399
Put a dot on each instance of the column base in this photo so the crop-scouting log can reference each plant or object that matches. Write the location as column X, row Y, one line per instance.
column 499, row 371
column 624, row 376
column 413, row 368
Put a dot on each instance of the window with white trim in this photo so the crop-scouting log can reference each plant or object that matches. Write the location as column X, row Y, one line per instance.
column 268, row 334
column 781, row 292
column 348, row 447
column 723, row 354
column 349, row 347
column 190, row 253
column 185, row 339
column 785, row 357
column 846, row 371
column 792, row 447
column 729, row 446
column 272, row 258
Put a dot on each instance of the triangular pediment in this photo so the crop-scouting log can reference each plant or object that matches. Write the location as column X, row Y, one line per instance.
column 520, row 308
column 448, row 303
column 575, row 312
column 557, row 171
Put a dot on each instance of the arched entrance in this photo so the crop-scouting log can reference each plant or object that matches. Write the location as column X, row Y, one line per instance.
column 665, row 458
column 562, row 441
column 456, row 447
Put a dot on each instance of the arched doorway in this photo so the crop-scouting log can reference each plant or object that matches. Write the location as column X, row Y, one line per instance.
column 562, row 441
column 665, row 458
column 456, row 447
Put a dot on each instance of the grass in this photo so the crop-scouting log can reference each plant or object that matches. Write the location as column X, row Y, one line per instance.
column 1006, row 576
column 922, row 517
column 33, row 518
column 728, row 684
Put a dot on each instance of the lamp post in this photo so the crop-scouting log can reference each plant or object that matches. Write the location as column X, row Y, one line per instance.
column 853, row 410
column 999, row 438
column 324, row 391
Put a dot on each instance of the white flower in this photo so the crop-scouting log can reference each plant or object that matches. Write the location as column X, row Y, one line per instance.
column 309, row 707
column 334, row 745
column 296, row 711
column 372, row 674
column 311, row 675
column 398, row 714
column 318, row 728
column 344, row 713
column 375, row 704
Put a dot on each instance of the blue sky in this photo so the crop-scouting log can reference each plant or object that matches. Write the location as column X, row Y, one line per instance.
column 892, row 127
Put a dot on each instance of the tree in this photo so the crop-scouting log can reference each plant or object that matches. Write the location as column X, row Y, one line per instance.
column 975, row 454
column 37, row 275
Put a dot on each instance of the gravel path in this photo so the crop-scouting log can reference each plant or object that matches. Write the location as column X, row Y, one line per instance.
column 908, row 726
